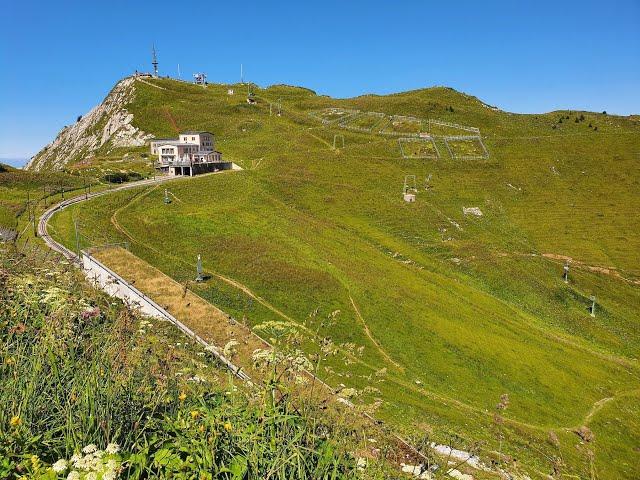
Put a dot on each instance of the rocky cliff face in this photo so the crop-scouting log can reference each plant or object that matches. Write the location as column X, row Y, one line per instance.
column 107, row 125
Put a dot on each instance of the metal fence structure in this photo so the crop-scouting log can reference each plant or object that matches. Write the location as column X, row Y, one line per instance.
column 454, row 126
column 344, row 123
column 318, row 115
column 466, row 138
column 426, row 140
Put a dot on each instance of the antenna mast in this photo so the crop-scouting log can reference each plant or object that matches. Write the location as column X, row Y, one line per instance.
column 155, row 61
column 241, row 75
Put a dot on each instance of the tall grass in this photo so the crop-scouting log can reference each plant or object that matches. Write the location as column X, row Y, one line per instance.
column 78, row 369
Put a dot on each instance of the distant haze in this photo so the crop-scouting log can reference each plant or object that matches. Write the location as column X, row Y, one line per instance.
column 14, row 162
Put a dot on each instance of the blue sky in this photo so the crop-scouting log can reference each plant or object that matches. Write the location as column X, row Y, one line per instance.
column 59, row 58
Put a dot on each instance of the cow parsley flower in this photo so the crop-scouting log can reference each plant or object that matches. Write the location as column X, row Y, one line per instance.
column 112, row 448
column 59, row 466
column 89, row 448
column 110, row 475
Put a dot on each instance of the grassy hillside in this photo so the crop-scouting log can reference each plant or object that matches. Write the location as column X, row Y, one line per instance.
column 18, row 186
column 452, row 311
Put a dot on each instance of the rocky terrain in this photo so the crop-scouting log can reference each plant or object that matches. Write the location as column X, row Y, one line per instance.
column 107, row 125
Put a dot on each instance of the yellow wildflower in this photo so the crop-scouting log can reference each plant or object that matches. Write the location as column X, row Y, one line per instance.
column 182, row 396
column 15, row 421
column 35, row 462
column 194, row 414
column 228, row 427
column 201, row 428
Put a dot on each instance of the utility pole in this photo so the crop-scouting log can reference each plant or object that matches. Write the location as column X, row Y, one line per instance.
column 28, row 207
column 32, row 214
column 179, row 76
column 565, row 275
column 241, row 75
column 75, row 226
column 199, row 270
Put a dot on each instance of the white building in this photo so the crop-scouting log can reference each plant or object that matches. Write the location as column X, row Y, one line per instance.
column 189, row 154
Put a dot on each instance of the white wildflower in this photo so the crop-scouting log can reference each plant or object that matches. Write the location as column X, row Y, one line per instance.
column 89, row 448
column 75, row 457
column 348, row 392
column 230, row 348
column 91, row 476
column 59, row 466
column 110, row 475
column 112, row 448
column 73, row 475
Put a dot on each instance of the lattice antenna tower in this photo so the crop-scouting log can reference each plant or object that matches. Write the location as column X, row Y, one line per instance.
column 154, row 61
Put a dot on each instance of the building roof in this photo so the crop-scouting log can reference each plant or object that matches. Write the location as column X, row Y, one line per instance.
column 163, row 139
column 193, row 132
column 177, row 143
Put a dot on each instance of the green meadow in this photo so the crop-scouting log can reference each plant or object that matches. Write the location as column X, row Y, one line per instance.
column 18, row 187
column 440, row 312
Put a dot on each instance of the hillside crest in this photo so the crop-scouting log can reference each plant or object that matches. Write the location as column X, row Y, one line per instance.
column 107, row 123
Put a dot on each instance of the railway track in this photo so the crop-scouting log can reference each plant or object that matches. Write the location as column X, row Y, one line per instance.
column 46, row 216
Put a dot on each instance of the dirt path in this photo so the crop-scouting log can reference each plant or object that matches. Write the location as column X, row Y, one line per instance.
column 599, row 405
column 373, row 340
column 319, row 139
column 138, row 79
column 172, row 121
column 611, row 271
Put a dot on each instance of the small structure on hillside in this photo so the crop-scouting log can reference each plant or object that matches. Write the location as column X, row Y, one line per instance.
column 200, row 79
column 409, row 190
column 230, row 91
column 192, row 153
